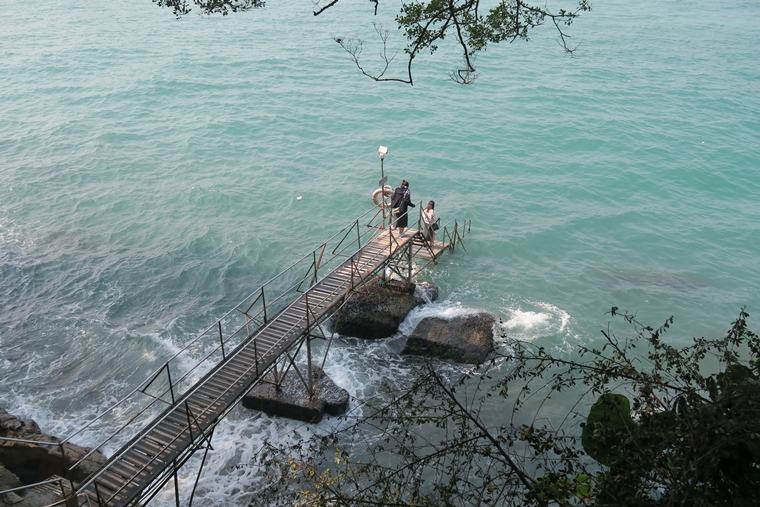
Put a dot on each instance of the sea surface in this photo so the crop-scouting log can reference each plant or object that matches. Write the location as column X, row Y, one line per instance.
column 151, row 169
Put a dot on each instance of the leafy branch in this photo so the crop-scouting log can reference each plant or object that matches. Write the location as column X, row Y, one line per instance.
column 652, row 424
column 353, row 47
column 426, row 24
column 223, row 7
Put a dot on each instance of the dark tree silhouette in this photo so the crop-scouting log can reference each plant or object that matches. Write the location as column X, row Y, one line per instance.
column 425, row 25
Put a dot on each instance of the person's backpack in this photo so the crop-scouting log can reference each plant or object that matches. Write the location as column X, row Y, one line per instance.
column 398, row 197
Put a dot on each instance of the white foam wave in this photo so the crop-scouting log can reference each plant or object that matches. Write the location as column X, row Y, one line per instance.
column 359, row 366
column 444, row 310
column 563, row 316
column 527, row 320
column 540, row 320
column 230, row 471
column 231, row 475
column 530, row 321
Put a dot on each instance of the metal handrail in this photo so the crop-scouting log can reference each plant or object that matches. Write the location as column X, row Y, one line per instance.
column 210, row 331
column 294, row 289
column 93, row 479
column 21, row 440
column 457, row 233
column 27, row 486
column 406, row 213
column 58, row 444
column 59, row 480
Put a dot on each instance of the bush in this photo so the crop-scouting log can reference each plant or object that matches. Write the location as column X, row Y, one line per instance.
column 654, row 427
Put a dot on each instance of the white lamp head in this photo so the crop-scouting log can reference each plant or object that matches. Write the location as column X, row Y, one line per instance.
column 382, row 151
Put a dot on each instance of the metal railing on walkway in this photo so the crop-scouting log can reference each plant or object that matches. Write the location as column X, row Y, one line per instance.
column 227, row 332
column 172, row 414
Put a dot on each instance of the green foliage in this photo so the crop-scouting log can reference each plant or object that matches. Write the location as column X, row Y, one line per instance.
column 223, row 7
column 426, row 24
column 561, row 489
column 607, row 425
column 665, row 426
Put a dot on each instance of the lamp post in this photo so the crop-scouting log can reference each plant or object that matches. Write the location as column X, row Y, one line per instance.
column 382, row 151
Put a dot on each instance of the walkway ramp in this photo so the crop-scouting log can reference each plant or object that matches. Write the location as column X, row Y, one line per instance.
column 144, row 464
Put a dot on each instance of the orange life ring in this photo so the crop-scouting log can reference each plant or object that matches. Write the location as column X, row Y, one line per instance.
column 382, row 196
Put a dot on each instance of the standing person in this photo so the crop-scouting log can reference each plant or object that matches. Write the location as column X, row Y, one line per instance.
column 401, row 202
column 429, row 218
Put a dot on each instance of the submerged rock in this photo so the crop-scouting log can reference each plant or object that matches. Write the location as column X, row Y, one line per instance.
column 292, row 400
column 377, row 310
column 427, row 291
column 464, row 339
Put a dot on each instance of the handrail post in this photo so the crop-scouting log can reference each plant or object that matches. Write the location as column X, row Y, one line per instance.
column 308, row 350
column 319, row 261
column 176, row 483
column 171, row 386
column 256, row 355
column 200, row 469
column 313, row 263
column 410, row 261
column 264, row 304
column 306, row 300
column 189, row 422
column 221, row 338
column 101, row 502
column 460, row 238
column 63, row 461
column 74, row 496
column 354, row 272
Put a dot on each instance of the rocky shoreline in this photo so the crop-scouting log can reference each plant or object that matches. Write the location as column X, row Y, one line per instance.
column 29, row 456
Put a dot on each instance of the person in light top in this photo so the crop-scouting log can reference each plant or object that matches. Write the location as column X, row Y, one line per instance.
column 429, row 218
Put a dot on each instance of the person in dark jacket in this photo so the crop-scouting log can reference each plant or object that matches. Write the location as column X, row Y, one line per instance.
column 401, row 202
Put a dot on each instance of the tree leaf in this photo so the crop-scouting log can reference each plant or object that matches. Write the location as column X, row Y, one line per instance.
column 608, row 421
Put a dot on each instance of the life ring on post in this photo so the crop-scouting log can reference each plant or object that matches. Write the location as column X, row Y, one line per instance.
column 382, row 196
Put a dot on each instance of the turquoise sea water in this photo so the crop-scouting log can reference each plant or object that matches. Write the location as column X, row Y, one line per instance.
column 149, row 169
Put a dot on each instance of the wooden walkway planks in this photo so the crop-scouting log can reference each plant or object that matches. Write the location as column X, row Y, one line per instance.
column 168, row 438
column 423, row 252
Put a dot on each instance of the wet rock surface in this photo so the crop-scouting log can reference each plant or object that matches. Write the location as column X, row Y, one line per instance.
column 465, row 339
column 377, row 310
column 292, row 400
column 427, row 291
column 29, row 462
column 28, row 497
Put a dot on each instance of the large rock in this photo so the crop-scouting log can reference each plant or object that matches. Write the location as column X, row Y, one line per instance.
column 465, row 339
column 376, row 310
column 32, row 462
column 292, row 400
column 426, row 291
column 8, row 480
column 38, row 496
